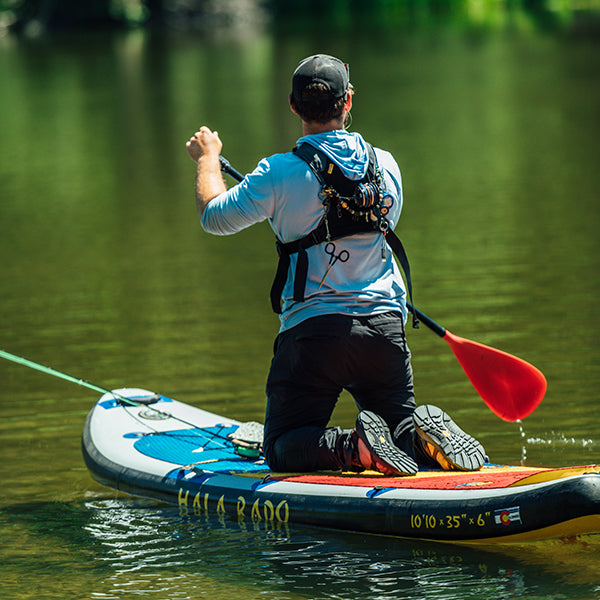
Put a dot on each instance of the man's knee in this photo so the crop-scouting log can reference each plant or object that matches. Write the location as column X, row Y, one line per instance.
column 284, row 454
column 305, row 449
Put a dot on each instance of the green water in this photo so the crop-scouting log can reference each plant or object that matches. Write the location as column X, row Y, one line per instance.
column 105, row 274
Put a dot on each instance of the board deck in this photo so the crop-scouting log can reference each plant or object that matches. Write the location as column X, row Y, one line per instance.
column 200, row 449
column 490, row 476
column 175, row 452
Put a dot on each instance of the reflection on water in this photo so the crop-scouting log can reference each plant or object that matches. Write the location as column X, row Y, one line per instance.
column 115, row 546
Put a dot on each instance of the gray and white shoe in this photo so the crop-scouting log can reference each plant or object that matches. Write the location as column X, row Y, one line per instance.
column 444, row 441
column 376, row 449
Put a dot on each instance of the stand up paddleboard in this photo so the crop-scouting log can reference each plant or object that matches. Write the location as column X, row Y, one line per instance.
column 150, row 445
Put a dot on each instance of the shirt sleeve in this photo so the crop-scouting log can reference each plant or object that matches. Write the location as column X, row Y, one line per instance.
column 243, row 205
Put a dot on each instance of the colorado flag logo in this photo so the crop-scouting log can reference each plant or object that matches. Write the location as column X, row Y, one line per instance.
column 508, row 516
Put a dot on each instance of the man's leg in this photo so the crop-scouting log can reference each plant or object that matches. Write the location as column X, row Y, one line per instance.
column 382, row 378
column 302, row 393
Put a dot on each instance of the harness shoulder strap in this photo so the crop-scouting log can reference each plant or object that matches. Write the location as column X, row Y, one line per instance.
column 398, row 249
column 329, row 173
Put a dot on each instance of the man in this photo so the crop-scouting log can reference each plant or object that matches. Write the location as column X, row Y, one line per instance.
column 333, row 204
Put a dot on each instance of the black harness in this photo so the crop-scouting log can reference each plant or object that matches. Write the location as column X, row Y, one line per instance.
column 351, row 207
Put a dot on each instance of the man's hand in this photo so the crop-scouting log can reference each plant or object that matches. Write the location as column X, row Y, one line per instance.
column 204, row 143
column 204, row 149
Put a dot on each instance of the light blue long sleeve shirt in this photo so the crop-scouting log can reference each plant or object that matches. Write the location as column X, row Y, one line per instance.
column 284, row 190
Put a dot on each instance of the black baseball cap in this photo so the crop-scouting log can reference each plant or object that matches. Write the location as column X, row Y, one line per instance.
column 321, row 68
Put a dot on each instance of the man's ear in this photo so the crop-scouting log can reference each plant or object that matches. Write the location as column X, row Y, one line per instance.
column 348, row 104
column 292, row 107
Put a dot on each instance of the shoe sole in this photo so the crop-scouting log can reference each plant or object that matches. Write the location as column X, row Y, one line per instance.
column 446, row 442
column 374, row 432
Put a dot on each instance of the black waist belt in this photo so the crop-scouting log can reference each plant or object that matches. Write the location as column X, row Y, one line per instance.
column 318, row 236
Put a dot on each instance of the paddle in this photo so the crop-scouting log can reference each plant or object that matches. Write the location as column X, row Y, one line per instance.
column 511, row 387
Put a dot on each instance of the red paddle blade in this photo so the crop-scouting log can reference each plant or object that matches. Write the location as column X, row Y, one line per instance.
column 511, row 387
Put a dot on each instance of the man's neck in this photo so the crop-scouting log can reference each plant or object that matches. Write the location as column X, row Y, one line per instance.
column 310, row 128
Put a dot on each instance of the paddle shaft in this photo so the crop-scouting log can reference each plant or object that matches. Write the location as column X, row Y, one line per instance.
column 427, row 321
column 227, row 168
column 511, row 387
